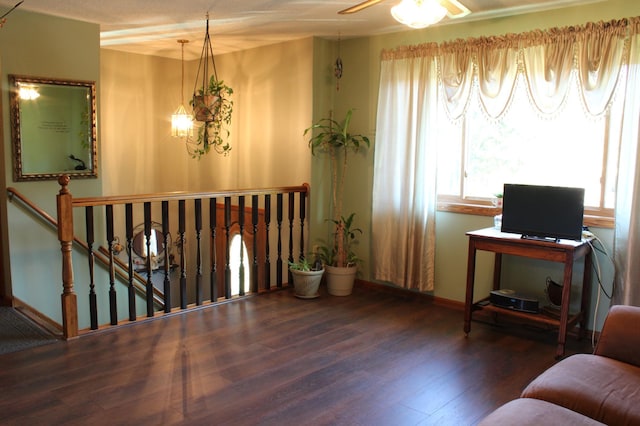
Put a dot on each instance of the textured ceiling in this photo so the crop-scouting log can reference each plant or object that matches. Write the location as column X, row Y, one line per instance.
column 154, row 26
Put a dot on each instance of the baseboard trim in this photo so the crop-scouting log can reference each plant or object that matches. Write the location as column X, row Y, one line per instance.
column 410, row 294
column 38, row 317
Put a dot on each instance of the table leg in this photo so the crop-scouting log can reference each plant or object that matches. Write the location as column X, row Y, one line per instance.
column 586, row 294
column 471, row 272
column 564, row 308
column 497, row 271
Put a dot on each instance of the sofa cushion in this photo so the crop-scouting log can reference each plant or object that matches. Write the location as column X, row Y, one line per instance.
column 535, row 412
column 602, row 388
column 619, row 339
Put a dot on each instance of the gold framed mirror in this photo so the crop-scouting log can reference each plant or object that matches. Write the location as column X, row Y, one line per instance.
column 53, row 128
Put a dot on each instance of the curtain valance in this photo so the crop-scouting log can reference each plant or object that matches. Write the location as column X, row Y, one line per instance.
column 597, row 52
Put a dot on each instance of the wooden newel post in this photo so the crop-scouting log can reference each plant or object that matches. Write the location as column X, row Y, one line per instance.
column 65, row 235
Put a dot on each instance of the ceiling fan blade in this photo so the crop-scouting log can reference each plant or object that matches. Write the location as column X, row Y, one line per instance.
column 455, row 9
column 358, row 7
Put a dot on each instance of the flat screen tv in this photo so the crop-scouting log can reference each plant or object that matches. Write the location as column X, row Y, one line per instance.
column 543, row 212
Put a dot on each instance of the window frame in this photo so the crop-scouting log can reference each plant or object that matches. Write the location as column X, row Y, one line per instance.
column 600, row 216
column 596, row 217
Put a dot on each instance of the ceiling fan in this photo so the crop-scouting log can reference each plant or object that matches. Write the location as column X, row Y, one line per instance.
column 417, row 13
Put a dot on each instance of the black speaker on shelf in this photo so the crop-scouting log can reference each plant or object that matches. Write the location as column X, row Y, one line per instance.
column 509, row 299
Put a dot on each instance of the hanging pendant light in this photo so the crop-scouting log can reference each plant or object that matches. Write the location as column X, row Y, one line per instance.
column 181, row 120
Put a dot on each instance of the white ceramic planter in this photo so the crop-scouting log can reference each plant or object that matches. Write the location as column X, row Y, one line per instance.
column 340, row 280
column 306, row 283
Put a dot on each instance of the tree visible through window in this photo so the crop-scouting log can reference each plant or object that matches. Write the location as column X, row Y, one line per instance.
column 478, row 154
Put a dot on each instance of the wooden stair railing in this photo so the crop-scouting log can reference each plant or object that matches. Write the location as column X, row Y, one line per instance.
column 102, row 257
column 229, row 217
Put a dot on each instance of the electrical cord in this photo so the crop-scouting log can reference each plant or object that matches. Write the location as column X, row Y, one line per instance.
column 598, row 272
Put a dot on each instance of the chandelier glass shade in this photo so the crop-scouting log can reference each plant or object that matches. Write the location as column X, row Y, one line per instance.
column 181, row 120
column 181, row 123
column 418, row 13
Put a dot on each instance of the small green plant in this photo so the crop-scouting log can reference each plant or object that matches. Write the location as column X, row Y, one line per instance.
column 303, row 265
column 328, row 254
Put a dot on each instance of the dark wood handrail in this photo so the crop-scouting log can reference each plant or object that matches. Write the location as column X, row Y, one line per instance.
column 181, row 195
column 12, row 192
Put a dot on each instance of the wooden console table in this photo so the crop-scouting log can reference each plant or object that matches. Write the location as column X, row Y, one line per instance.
column 564, row 251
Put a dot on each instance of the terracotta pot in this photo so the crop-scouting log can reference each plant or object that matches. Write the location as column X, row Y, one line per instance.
column 340, row 280
column 204, row 107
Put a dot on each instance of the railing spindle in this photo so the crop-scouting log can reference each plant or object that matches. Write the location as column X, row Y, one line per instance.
column 254, row 223
column 198, row 218
column 113, row 307
column 183, row 249
column 129, row 235
column 291, row 218
column 303, row 205
column 227, row 265
column 213, row 278
column 267, row 223
column 241, row 266
column 147, row 242
column 167, row 260
column 93, row 302
column 279, row 224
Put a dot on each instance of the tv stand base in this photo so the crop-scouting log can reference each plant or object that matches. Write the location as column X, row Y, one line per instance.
column 537, row 238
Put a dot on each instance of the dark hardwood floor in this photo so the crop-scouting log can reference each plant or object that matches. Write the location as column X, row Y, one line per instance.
column 372, row 358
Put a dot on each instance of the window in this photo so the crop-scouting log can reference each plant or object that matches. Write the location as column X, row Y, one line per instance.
column 478, row 154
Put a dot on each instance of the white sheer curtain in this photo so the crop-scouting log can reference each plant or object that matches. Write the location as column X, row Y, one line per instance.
column 547, row 68
column 404, row 195
column 404, row 190
column 600, row 58
column 497, row 62
column 627, row 228
column 456, row 72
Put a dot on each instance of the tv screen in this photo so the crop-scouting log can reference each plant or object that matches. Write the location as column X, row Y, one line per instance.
column 545, row 212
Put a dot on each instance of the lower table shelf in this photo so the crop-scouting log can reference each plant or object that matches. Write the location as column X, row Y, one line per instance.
column 542, row 318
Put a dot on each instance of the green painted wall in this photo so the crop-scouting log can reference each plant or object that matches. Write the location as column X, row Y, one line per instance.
column 42, row 46
column 359, row 88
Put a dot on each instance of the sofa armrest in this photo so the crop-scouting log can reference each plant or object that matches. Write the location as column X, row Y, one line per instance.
column 620, row 335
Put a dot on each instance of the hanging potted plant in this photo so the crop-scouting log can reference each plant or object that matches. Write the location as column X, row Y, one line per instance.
column 212, row 107
column 333, row 138
column 306, row 278
column 213, row 102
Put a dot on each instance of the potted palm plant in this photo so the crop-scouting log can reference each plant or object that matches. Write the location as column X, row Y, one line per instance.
column 306, row 278
column 333, row 138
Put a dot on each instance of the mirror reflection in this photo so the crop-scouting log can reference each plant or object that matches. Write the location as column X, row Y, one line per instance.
column 53, row 128
column 153, row 246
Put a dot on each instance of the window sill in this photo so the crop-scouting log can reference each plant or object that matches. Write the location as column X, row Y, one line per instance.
column 486, row 210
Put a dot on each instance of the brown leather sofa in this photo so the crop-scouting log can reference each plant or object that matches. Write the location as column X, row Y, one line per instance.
column 585, row 389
